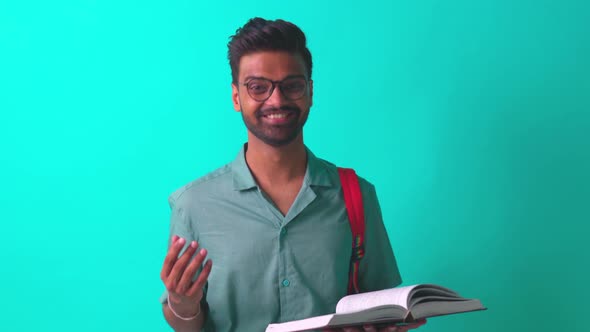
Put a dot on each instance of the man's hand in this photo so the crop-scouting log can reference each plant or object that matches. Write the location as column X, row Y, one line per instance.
column 372, row 328
column 177, row 274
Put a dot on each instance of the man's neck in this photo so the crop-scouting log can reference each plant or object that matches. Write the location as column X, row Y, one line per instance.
column 277, row 165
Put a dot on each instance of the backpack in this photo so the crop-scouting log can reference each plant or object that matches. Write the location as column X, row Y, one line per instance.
column 353, row 200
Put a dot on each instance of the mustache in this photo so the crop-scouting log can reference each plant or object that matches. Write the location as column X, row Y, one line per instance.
column 271, row 110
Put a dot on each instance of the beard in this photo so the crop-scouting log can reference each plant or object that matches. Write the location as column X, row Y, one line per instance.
column 275, row 135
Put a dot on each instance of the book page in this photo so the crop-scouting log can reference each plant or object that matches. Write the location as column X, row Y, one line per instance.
column 357, row 302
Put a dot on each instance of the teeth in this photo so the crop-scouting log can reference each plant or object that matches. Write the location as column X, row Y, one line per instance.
column 277, row 116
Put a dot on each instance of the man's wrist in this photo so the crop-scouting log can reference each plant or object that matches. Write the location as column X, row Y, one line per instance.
column 184, row 310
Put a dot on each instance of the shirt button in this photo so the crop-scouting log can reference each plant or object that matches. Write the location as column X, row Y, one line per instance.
column 283, row 231
column 286, row 282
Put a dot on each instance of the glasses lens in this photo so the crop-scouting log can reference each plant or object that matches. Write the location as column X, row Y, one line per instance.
column 294, row 88
column 258, row 88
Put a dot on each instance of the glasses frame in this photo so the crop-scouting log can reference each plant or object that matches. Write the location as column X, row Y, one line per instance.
column 274, row 84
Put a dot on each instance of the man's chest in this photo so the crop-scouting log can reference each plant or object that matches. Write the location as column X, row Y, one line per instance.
column 291, row 266
column 251, row 232
column 283, row 196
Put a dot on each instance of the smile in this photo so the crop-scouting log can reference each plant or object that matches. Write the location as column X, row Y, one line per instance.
column 277, row 115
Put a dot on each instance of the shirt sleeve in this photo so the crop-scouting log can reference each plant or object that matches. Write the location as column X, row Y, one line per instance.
column 179, row 225
column 378, row 268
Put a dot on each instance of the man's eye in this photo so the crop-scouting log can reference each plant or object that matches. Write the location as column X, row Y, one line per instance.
column 294, row 86
column 257, row 88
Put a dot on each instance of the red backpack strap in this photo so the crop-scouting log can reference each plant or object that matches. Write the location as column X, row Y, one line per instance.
column 353, row 199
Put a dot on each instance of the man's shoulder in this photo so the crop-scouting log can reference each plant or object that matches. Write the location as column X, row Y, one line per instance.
column 215, row 181
column 366, row 185
column 331, row 169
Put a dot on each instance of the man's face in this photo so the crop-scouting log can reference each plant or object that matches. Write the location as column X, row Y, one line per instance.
column 278, row 120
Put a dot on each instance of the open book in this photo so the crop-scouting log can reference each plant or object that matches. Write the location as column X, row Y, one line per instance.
column 395, row 305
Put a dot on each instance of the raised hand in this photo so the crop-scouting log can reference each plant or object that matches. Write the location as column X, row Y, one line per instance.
column 178, row 272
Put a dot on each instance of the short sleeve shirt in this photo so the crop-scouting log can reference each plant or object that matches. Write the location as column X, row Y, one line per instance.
column 269, row 267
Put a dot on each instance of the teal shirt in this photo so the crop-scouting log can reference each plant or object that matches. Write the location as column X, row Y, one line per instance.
column 270, row 268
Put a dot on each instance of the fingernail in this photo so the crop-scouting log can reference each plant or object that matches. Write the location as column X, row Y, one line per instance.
column 203, row 252
column 174, row 238
column 181, row 241
column 194, row 244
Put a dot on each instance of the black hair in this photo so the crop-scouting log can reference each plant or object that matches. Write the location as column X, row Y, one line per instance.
column 259, row 34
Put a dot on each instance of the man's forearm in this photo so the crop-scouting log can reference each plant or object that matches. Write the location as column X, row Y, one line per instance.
column 180, row 325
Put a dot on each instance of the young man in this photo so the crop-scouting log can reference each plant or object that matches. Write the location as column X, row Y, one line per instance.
column 273, row 220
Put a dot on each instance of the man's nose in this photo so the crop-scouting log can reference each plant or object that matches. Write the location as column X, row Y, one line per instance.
column 276, row 97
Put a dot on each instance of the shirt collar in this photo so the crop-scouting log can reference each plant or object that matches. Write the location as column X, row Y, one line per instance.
column 316, row 174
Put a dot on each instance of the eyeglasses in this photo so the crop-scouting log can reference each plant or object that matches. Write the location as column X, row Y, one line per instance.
column 260, row 89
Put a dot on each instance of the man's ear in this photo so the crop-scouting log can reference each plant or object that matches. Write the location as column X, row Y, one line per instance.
column 235, row 97
column 310, row 93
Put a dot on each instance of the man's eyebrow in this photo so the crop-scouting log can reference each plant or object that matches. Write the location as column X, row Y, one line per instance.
column 253, row 77
column 250, row 77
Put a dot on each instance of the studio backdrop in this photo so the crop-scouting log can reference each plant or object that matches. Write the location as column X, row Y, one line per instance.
column 471, row 118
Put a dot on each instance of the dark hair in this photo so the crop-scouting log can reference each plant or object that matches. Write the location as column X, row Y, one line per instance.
column 259, row 34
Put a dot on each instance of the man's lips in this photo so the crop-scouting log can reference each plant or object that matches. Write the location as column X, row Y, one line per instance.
column 278, row 117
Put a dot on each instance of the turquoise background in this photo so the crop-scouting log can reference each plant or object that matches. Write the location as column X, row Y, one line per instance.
column 472, row 118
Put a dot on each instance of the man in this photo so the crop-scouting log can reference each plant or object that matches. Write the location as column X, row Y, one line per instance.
column 274, row 220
